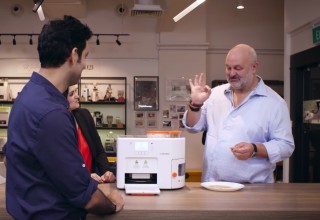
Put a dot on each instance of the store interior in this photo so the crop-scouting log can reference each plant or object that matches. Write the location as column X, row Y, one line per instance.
column 135, row 45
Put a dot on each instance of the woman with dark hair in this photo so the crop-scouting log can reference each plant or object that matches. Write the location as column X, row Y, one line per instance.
column 89, row 141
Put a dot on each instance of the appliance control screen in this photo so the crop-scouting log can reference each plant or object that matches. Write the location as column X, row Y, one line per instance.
column 141, row 146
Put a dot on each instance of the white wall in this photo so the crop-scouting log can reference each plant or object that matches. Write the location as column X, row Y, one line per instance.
column 300, row 16
column 260, row 25
column 177, row 64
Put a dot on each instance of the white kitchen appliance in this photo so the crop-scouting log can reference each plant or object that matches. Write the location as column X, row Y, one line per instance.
column 145, row 165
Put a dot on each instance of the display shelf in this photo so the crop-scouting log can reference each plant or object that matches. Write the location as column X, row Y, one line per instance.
column 105, row 98
column 113, row 127
column 6, row 102
column 103, row 103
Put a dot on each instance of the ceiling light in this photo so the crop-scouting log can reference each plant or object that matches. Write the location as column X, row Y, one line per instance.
column 37, row 4
column 240, row 5
column 41, row 14
column 97, row 41
column 187, row 10
column 117, row 41
column 37, row 8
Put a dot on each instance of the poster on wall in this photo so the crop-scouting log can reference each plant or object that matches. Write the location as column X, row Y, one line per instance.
column 165, row 113
column 177, row 89
column 166, row 124
column 152, row 121
column 181, row 108
column 146, row 93
column 139, row 120
column 139, row 123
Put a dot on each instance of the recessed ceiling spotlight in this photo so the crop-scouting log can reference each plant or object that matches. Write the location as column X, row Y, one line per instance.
column 240, row 5
column 121, row 9
column 17, row 10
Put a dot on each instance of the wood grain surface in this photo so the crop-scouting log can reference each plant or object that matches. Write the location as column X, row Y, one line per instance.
column 254, row 201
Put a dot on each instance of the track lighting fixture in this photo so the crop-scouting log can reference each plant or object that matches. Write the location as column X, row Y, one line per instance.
column 37, row 8
column 30, row 40
column 97, row 41
column 117, row 41
column 14, row 42
column 37, row 4
column 13, row 35
column 30, row 35
column 240, row 5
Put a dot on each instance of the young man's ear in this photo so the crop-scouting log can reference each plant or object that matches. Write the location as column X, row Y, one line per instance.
column 74, row 55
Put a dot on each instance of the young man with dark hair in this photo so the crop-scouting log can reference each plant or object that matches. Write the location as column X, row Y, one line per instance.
column 46, row 175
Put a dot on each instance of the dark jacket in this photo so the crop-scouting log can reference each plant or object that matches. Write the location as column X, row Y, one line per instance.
column 100, row 163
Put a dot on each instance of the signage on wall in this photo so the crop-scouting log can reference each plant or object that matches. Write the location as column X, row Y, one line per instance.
column 89, row 67
column 316, row 34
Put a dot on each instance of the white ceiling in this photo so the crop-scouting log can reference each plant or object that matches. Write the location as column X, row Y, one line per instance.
column 58, row 8
column 79, row 9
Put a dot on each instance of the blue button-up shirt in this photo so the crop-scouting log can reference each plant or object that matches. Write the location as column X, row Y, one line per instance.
column 46, row 175
column 263, row 117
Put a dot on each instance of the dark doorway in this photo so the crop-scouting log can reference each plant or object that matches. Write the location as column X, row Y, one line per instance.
column 305, row 115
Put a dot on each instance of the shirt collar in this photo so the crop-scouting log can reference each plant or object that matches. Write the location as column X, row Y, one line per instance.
column 56, row 94
column 260, row 89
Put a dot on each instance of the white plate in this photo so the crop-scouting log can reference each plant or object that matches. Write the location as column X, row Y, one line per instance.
column 222, row 186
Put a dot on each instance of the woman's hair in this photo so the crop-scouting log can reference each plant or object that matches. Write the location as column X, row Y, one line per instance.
column 58, row 38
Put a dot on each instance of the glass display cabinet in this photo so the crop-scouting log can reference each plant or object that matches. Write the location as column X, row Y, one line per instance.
column 305, row 115
column 104, row 97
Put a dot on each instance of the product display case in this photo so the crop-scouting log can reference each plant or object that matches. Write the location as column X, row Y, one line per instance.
column 9, row 90
column 305, row 114
column 104, row 97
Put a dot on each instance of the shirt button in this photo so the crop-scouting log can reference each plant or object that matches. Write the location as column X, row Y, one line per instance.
column 83, row 165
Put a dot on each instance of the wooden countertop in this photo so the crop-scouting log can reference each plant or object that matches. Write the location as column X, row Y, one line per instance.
column 255, row 201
